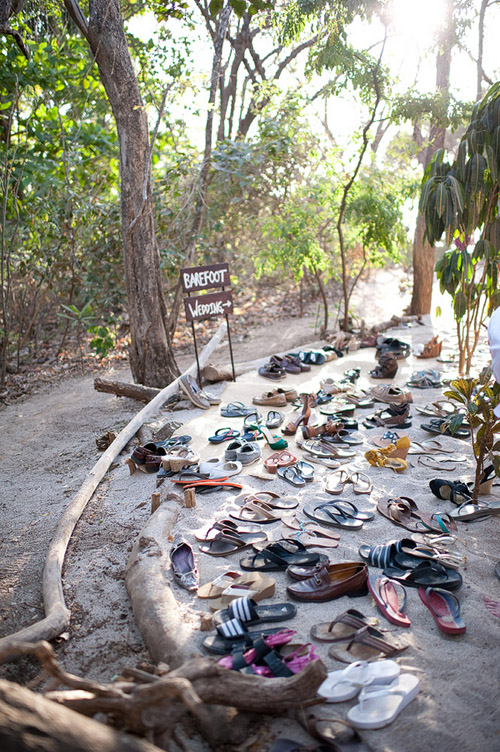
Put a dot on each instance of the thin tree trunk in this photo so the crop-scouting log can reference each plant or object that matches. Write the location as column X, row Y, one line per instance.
column 423, row 253
column 151, row 357
column 199, row 210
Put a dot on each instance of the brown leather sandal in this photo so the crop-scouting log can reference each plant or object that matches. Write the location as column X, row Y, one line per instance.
column 367, row 644
column 432, row 349
column 387, row 368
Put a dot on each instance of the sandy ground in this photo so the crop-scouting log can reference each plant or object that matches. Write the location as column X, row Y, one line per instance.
column 47, row 445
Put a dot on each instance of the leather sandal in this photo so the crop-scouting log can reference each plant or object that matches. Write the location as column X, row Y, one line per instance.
column 367, row 644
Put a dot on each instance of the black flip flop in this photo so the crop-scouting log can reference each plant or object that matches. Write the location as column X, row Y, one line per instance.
column 278, row 556
column 328, row 513
column 426, row 574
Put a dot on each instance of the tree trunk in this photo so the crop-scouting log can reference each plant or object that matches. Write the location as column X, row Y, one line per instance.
column 423, row 271
column 423, row 253
column 151, row 357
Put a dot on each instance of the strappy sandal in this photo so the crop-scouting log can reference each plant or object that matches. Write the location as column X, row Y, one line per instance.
column 438, row 409
column 291, row 427
column 395, row 416
column 367, row 644
column 377, row 458
column 432, row 349
column 279, row 459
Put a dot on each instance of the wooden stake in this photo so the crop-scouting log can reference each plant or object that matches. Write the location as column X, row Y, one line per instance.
column 155, row 501
column 189, row 498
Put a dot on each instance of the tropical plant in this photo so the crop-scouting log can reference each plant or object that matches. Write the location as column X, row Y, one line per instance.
column 478, row 397
column 460, row 200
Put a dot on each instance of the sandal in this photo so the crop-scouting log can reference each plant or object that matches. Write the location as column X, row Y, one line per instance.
column 366, row 644
column 233, row 636
column 426, row 574
column 249, row 613
column 395, row 416
column 279, row 459
column 291, row 475
column 341, row 628
column 254, row 650
column 445, row 428
column 330, row 513
column 385, row 594
column 278, row 556
column 385, row 458
column 387, row 368
column 404, row 512
column 431, row 350
column 256, row 511
column 236, row 410
column 223, row 434
column 207, row 533
column 458, row 492
column 439, row 409
column 445, row 608
column 249, row 585
column 225, row 543
column 339, row 735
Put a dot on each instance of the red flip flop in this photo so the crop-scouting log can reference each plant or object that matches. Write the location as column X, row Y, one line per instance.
column 445, row 608
column 385, row 593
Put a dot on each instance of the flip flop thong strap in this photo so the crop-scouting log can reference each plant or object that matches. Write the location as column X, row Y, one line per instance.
column 386, row 581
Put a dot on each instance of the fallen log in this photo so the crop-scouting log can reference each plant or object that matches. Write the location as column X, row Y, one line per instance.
column 123, row 389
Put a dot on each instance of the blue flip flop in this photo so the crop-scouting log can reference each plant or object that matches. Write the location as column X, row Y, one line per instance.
column 223, row 434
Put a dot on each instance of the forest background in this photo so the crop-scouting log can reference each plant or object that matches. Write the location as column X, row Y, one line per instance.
column 287, row 139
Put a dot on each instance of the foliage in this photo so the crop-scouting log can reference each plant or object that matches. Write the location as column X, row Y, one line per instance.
column 478, row 397
column 459, row 199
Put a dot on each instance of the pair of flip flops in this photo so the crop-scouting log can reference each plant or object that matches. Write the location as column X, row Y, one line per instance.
column 297, row 474
column 404, row 512
column 279, row 555
column 447, row 427
column 339, row 513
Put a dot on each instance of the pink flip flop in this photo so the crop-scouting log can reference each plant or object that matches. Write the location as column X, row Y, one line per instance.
column 445, row 608
column 385, row 593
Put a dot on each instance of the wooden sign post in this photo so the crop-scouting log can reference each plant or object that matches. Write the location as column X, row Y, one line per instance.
column 198, row 307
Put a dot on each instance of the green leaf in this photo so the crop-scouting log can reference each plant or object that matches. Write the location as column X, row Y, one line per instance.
column 475, row 172
column 441, row 199
column 460, row 305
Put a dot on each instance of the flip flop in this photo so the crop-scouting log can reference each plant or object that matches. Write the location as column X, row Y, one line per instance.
column 291, row 475
column 439, row 409
column 223, row 434
column 344, row 626
column 429, row 446
column 379, row 706
column 225, row 543
column 278, row 556
column 236, row 410
column 404, row 512
column 440, row 426
column 328, row 513
column 339, row 735
column 256, row 511
column 345, row 684
column 426, row 574
column 366, row 644
column 249, row 613
column 210, row 531
column 272, row 500
column 385, row 594
column 446, row 464
column 305, row 470
column 445, row 608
